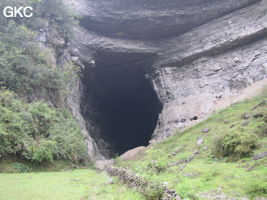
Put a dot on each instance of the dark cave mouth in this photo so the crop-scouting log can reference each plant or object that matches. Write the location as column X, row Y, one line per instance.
column 123, row 108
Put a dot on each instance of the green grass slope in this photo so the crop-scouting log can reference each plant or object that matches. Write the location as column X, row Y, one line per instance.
column 68, row 185
column 214, row 159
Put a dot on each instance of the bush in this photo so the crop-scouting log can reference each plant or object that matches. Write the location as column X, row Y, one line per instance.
column 262, row 128
column 153, row 192
column 32, row 129
column 235, row 144
column 257, row 189
column 41, row 151
column 59, row 16
column 157, row 167
column 26, row 68
column 39, row 133
column 52, row 10
column 20, row 167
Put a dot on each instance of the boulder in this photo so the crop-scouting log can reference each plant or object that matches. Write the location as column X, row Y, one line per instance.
column 132, row 154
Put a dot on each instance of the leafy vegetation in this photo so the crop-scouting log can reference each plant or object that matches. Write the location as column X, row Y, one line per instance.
column 15, row 165
column 35, row 124
column 236, row 144
column 223, row 165
column 27, row 67
column 24, row 67
column 153, row 192
column 46, row 12
column 37, row 132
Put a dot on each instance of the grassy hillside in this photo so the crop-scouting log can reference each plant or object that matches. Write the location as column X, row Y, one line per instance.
column 214, row 159
column 69, row 185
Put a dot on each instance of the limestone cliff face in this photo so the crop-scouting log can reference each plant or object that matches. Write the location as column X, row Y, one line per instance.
column 208, row 65
column 196, row 53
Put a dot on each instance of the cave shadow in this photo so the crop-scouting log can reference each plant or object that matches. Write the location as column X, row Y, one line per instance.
column 122, row 106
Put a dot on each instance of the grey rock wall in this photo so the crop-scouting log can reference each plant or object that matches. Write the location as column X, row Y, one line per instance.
column 208, row 65
column 202, row 51
column 193, row 91
column 153, row 19
column 219, row 35
column 63, row 52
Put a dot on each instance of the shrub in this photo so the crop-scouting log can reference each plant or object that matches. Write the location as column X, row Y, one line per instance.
column 52, row 10
column 157, row 167
column 257, row 189
column 26, row 68
column 20, row 167
column 32, row 129
column 37, row 132
column 59, row 16
column 235, row 144
column 262, row 128
column 41, row 151
column 153, row 192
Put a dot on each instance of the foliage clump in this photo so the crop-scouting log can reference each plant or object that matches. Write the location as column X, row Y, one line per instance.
column 35, row 124
column 157, row 167
column 256, row 189
column 52, row 10
column 153, row 192
column 27, row 67
column 236, row 144
column 37, row 132
column 22, row 168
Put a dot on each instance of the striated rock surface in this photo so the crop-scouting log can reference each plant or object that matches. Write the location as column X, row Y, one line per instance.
column 193, row 91
column 197, row 54
column 153, row 19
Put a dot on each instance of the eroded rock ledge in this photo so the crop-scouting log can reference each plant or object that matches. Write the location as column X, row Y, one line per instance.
column 195, row 55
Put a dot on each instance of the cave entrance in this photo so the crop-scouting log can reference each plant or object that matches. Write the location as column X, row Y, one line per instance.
column 120, row 106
